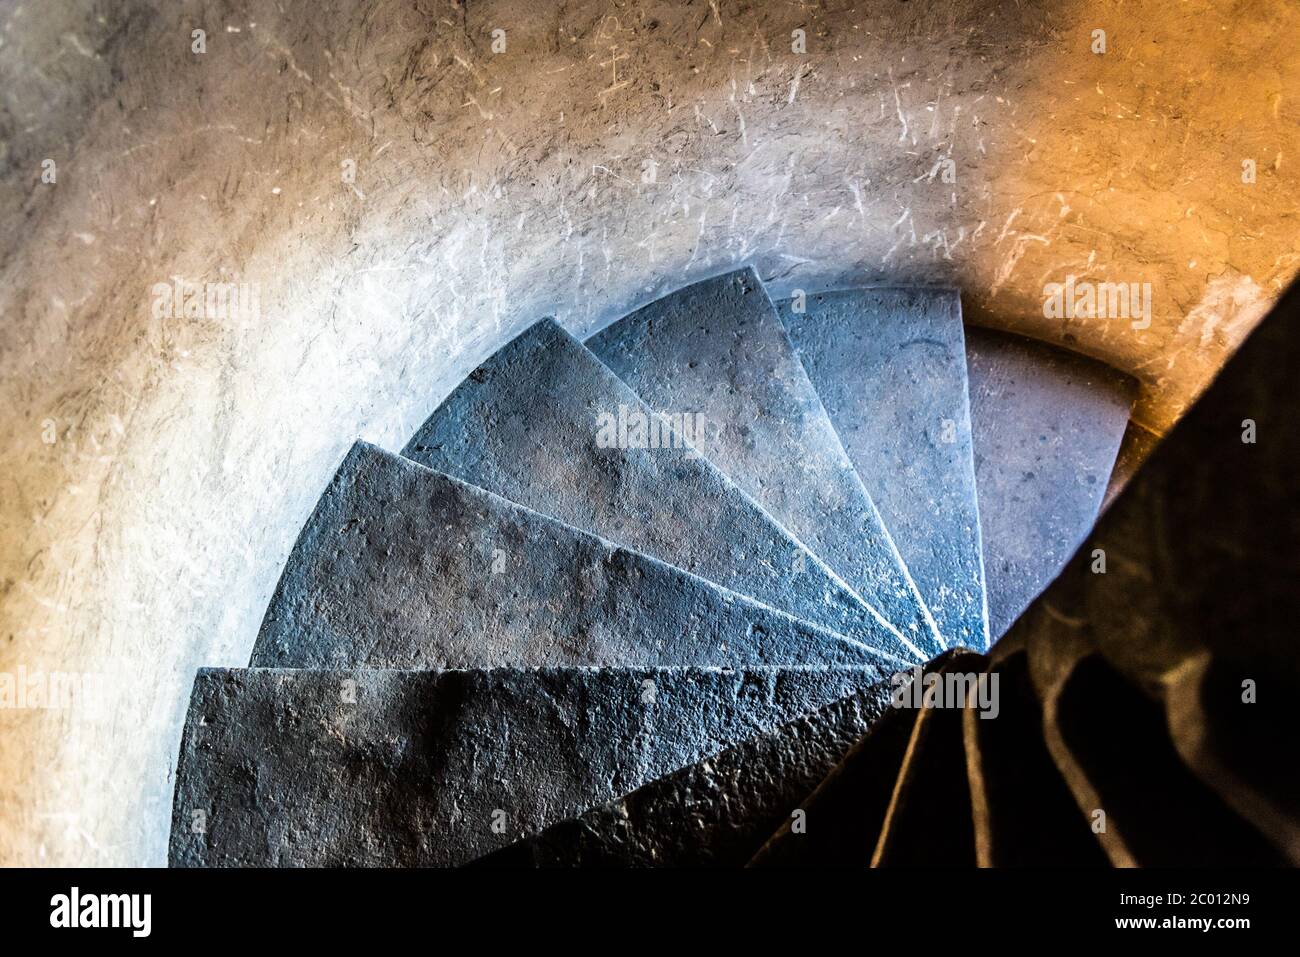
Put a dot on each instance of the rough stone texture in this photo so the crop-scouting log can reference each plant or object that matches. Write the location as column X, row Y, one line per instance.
column 492, row 189
column 844, row 814
column 1023, row 812
column 716, row 812
column 527, row 425
column 1202, row 554
column 1046, row 426
column 929, row 822
column 415, row 768
column 890, row 367
column 717, row 349
column 404, row 567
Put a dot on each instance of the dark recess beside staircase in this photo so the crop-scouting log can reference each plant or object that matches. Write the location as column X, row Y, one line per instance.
column 787, row 585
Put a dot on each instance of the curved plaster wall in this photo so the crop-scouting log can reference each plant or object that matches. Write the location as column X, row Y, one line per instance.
column 157, row 469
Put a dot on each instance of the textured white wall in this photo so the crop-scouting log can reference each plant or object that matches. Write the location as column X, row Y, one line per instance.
column 491, row 189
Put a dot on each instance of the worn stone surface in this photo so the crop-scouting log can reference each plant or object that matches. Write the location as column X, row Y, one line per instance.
column 717, row 349
column 845, row 812
column 716, row 812
column 610, row 154
column 889, row 365
column 404, row 567
column 441, row 767
column 929, row 823
column 527, row 425
column 1023, row 812
column 1046, row 426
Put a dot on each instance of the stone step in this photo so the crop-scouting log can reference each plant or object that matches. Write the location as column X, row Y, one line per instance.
column 890, row 367
column 1024, row 814
column 716, row 354
column 545, row 424
column 928, row 822
column 1047, row 426
column 438, row 768
column 400, row 566
column 714, row 813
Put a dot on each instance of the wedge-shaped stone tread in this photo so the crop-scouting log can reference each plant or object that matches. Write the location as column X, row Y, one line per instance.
column 716, row 812
column 890, row 367
column 533, row 424
column 1047, row 426
column 429, row 768
column 400, row 566
column 716, row 354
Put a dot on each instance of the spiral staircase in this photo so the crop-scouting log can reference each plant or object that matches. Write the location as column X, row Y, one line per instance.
column 676, row 596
